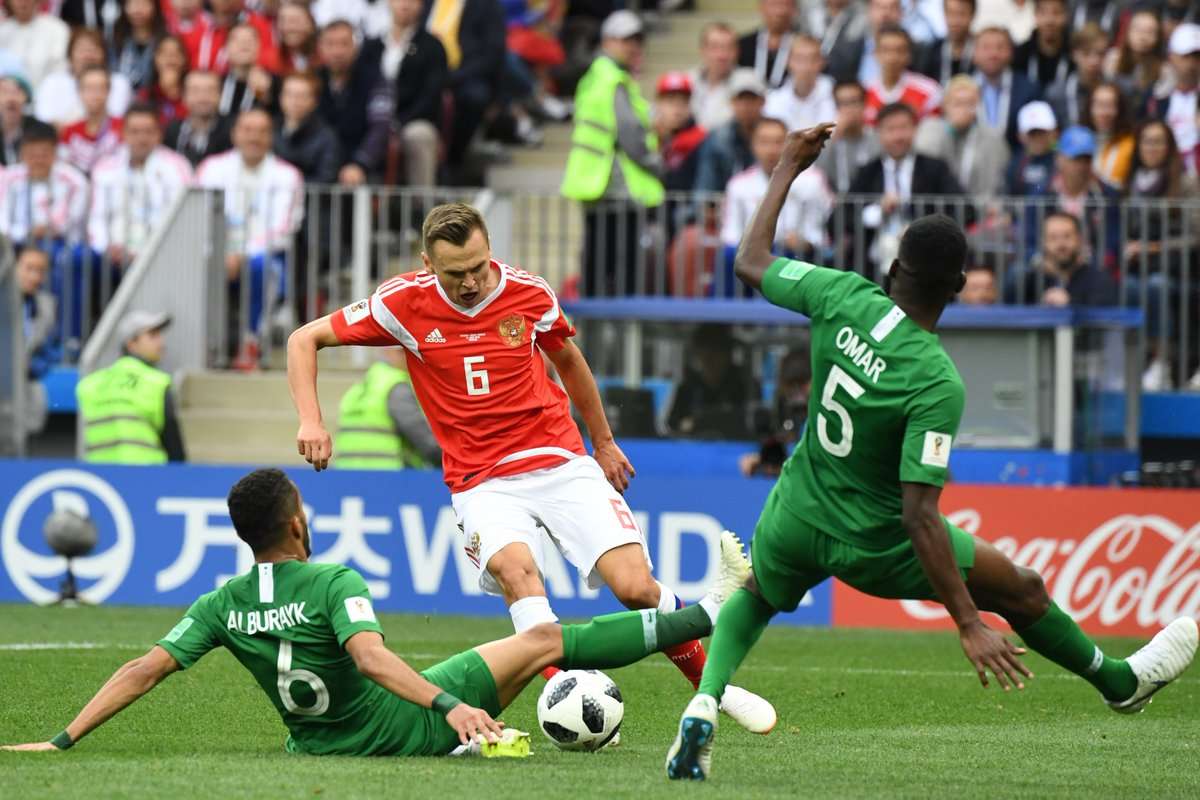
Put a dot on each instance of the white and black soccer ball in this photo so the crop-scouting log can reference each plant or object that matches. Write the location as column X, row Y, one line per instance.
column 580, row 709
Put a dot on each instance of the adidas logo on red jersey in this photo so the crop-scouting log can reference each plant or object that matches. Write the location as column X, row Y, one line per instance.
column 435, row 337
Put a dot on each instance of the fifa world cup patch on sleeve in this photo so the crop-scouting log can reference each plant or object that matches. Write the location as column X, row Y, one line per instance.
column 358, row 609
column 795, row 270
column 357, row 311
column 936, row 452
column 179, row 630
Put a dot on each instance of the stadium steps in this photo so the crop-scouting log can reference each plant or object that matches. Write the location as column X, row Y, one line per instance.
column 230, row 418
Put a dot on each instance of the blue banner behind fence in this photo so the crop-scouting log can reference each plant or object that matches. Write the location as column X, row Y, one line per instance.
column 165, row 536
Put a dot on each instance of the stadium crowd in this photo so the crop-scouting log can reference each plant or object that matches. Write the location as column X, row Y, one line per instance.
column 110, row 108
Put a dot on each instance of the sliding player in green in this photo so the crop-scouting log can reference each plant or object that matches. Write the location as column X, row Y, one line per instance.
column 858, row 499
column 308, row 635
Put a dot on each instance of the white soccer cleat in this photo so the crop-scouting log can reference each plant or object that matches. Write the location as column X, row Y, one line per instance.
column 733, row 573
column 690, row 756
column 1160, row 661
column 749, row 710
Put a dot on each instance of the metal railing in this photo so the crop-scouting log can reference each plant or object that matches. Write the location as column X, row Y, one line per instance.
column 13, row 360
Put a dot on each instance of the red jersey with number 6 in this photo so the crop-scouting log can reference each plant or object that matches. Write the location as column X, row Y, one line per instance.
column 477, row 371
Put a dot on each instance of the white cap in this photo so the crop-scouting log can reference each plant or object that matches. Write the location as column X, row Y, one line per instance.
column 1185, row 40
column 745, row 80
column 1036, row 116
column 137, row 322
column 623, row 24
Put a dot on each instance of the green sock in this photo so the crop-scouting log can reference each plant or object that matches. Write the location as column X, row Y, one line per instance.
column 616, row 640
column 743, row 619
column 1058, row 638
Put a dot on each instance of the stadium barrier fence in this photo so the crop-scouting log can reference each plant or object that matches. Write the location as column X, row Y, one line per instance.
column 13, row 359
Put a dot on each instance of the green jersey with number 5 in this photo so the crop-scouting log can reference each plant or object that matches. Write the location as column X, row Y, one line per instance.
column 884, row 407
column 287, row 624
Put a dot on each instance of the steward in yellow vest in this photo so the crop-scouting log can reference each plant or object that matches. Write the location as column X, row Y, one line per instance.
column 380, row 424
column 128, row 410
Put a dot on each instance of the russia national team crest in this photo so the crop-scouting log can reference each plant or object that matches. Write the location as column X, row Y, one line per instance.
column 512, row 330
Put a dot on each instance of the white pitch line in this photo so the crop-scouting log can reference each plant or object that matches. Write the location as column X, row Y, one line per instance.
column 68, row 646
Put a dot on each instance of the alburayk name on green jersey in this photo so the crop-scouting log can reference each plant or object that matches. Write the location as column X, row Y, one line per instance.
column 273, row 619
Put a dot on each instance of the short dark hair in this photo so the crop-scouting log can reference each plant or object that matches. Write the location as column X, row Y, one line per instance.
column 34, row 131
column 850, row 84
column 892, row 109
column 1062, row 3
column 1060, row 214
column 335, row 25
column 453, row 223
column 970, row 3
column 894, row 30
column 260, row 505
column 142, row 108
column 769, row 121
column 932, row 252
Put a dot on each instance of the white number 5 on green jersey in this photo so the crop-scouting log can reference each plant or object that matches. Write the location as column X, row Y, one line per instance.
column 837, row 377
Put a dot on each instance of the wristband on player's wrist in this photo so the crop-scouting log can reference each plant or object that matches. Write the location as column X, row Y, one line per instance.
column 445, row 702
column 63, row 741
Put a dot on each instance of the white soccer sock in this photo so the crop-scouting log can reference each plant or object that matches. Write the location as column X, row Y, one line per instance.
column 667, row 602
column 530, row 611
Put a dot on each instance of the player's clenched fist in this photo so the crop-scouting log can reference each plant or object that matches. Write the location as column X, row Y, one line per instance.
column 469, row 722
column 802, row 147
column 314, row 443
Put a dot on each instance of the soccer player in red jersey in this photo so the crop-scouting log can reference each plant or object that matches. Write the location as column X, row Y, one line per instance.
column 475, row 330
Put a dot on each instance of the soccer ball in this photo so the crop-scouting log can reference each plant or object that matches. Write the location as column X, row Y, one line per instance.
column 580, row 709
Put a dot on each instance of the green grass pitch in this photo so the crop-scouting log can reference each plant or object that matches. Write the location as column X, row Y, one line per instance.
column 862, row 714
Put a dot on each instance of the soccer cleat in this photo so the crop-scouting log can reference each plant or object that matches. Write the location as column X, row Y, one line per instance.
column 690, row 756
column 749, row 710
column 1160, row 661
column 512, row 744
column 734, row 571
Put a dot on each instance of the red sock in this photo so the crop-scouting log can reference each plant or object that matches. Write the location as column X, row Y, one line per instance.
column 690, row 658
column 550, row 672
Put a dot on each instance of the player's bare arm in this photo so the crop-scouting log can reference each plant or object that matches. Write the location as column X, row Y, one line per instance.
column 312, row 440
column 984, row 647
column 126, row 685
column 754, row 252
column 384, row 667
column 581, row 387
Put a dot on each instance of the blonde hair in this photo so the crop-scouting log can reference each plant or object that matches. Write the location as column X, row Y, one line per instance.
column 961, row 82
column 453, row 223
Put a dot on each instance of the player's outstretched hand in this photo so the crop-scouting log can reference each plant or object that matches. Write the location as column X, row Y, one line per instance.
column 469, row 722
column 616, row 466
column 32, row 747
column 987, row 649
column 314, row 443
column 803, row 146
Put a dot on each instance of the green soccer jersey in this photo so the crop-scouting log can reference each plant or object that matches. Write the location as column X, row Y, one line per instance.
column 287, row 624
column 884, row 408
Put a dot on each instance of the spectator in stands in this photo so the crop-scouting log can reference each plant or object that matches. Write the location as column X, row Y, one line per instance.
column 1109, row 117
column 264, row 207
column 1014, row 16
column 766, row 49
column 135, row 37
column 38, row 39
column 679, row 137
column 97, row 135
column 614, row 165
column 1140, row 59
column 712, row 81
column 90, row 13
column 204, row 131
column 980, row 287
column 855, row 59
column 1179, row 108
column 1045, row 58
column 726, row 149
column 1033, row 165
column 896, row 177
column 416, row 74
column 14, row 99
column 896, row 83
column 301, row 137
column 853, row 144
column 1004, row 91
column 128, row 409
column 247, row 84
column 1061, row 275
column 807, row 97
column 977, row 155
column 1069, row 99
column 43, row 199
column 784, row 421
column 837, row 24
column 57, row 97
column 297, row 37
column 1154, row 234
column 367, row 18
column 950, row 55
column 349, row 84
column 381, row 424
column 801, row 232
column 188, row 20
column 165, row 90
column 714, row 399
column 473, row 35
column 134, row 188
column 207, row 43
column 39, row 312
